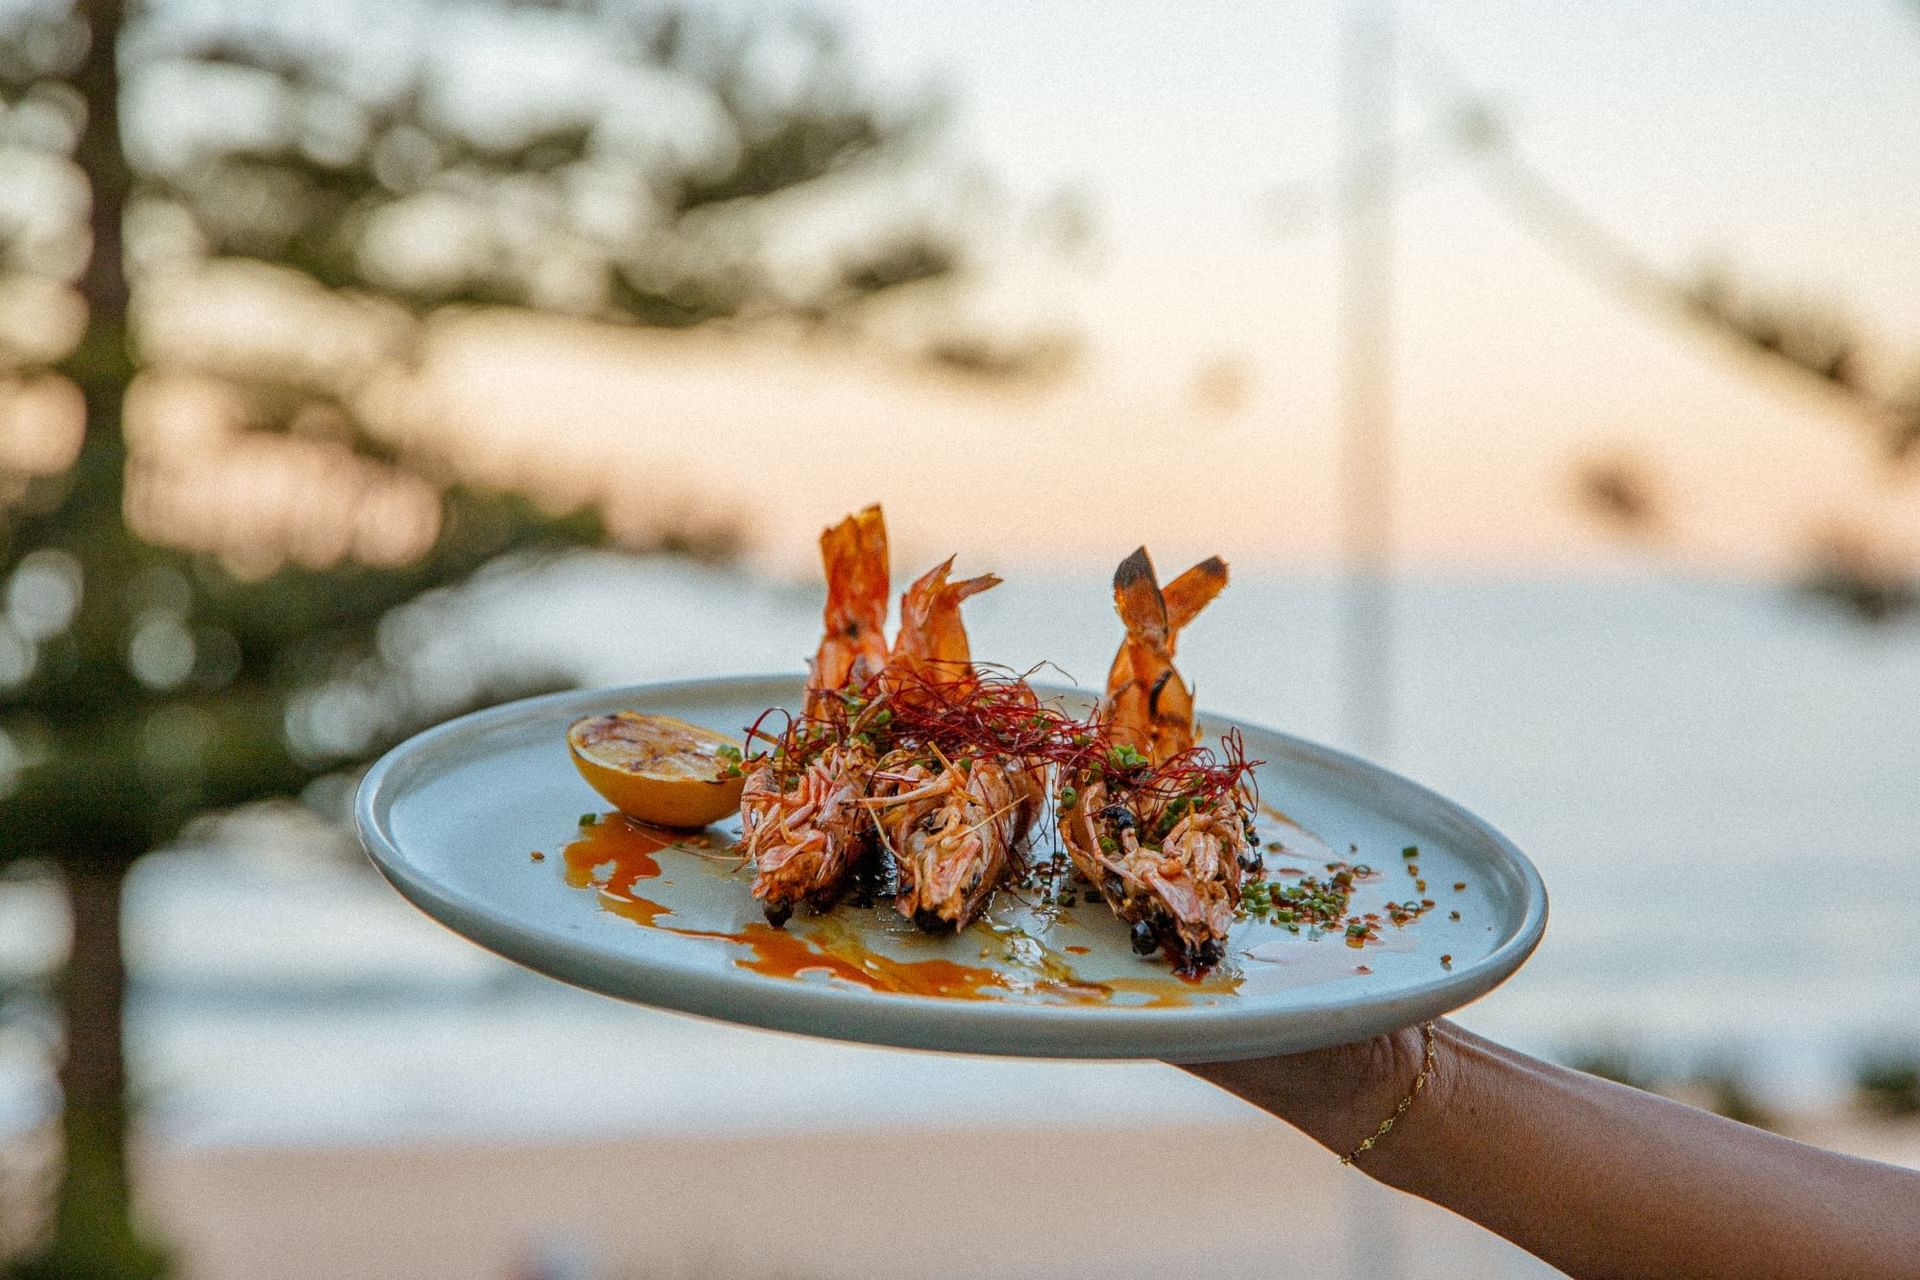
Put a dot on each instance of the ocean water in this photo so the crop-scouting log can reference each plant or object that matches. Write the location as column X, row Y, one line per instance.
column 1717, row 782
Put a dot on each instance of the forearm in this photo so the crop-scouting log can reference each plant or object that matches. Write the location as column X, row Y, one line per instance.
column 1595, row 1178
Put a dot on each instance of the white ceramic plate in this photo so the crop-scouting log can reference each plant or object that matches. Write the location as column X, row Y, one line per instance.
column 455, row 816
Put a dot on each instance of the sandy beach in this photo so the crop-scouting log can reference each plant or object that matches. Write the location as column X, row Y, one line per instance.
column 1228, row 1201
column 1252, row 1200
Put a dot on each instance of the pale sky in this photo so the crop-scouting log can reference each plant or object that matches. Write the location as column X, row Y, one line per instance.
column 1778, row 136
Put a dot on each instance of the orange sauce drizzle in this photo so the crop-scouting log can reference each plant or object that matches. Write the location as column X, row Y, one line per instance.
column 782, row 954
column 1172, row 992
column 616, row 854
column 627, row 848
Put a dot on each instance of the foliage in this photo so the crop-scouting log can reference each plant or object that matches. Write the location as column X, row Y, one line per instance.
column 1724, row 1089
column 1887, row 1081
column 227, row 237
column 1796, row 341
column 1867, row 575
column 1714, row 1082
column 1616, row 1060
column 1813, row 345
column 366, row 194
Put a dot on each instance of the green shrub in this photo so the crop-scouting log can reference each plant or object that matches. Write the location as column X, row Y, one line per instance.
column 1886, row 1081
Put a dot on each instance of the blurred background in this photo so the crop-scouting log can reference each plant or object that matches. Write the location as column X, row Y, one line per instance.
column 1549, row 375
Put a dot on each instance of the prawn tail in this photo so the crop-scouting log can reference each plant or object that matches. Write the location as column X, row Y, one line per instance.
column 932, row 643
column 1138, row 600
column 1148, row 706
column 1191, row 592
column 854, row 646
column 854, row 553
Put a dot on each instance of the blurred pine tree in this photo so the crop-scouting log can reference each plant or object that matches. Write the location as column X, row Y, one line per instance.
column 167, row 647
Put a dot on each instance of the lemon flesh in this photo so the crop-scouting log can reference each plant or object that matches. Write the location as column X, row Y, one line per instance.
column 657, row 769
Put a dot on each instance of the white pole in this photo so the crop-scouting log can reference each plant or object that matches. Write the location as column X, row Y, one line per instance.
column 1366, row 320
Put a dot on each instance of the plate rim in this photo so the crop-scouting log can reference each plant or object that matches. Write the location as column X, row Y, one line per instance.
column 1220, row 1031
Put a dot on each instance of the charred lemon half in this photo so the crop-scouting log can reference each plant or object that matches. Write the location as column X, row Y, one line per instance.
column 657, row 769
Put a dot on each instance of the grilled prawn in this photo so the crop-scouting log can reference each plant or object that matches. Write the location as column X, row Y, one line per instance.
column 953, row 817
column 1162, row 837
column 955, row 831
column 801, row 819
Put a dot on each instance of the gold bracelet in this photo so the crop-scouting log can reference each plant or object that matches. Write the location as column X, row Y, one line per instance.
column 1406, row 1103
